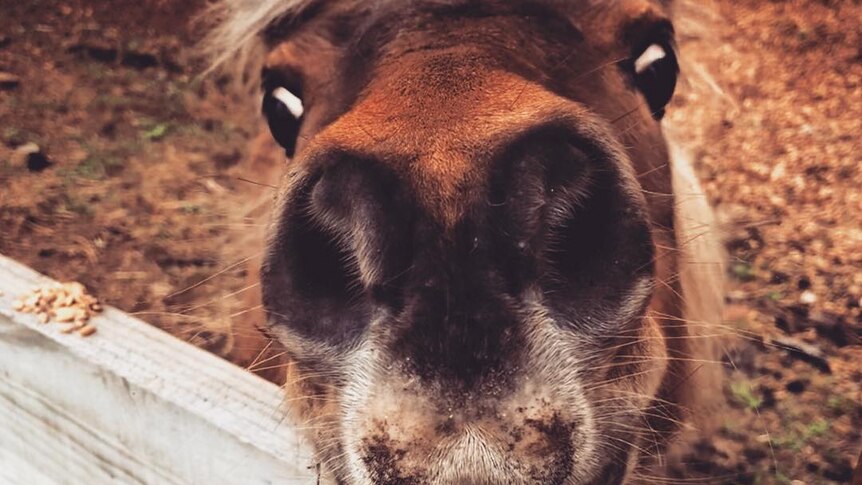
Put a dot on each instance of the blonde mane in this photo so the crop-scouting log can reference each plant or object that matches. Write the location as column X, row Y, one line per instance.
column 236, row 27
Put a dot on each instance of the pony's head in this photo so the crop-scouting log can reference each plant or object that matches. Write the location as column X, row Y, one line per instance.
column 472, row 258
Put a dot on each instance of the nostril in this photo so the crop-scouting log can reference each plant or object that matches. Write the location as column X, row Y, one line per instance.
column 342, row 245
column 339, row 191
column 324, row 199
column 572, row 222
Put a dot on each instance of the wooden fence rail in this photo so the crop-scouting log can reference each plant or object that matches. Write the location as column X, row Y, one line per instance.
column 132, row 404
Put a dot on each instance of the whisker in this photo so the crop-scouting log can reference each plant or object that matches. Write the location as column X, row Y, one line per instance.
column 215, row 275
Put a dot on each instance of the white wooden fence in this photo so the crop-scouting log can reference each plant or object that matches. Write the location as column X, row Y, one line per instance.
column 132, row 404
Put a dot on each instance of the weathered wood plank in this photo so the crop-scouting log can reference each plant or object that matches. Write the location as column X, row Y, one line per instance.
column 132, row 404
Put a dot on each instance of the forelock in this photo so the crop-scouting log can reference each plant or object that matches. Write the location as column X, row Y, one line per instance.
column 238, row 25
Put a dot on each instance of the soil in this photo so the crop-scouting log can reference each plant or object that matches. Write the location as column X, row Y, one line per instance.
column 777, row 144
column 129, row 192
column 133, row 184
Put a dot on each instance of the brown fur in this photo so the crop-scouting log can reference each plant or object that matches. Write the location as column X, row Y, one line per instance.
column 437, row 113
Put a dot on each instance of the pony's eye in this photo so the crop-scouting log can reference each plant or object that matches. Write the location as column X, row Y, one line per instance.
column 283, row 110
column 655, row 72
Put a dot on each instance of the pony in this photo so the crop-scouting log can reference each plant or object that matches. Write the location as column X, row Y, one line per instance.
column 485, row 263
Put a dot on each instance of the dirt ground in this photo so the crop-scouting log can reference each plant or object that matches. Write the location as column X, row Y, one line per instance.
column 134, row 186
column 134, row 197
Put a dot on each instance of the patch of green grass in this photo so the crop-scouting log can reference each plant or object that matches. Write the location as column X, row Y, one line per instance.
column 758, row 478
column 742, row 271
column 76, row 205
column 818, row 428
column 789, row 441
column 96, row 70
column 164, row 233
column 102, row 162
column 839, row 404
column 11, row 133
column 782, row 478
column 156, row 131
column 109, row 100
column 744, row 395
column 796, row 439
column 775, row 295
column 218, row 130
column 189, row 208
column 97, row 166
column 730, row 426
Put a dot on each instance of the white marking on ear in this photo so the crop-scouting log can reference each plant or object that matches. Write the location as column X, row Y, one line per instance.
column 652, row 53
column 289, row 100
